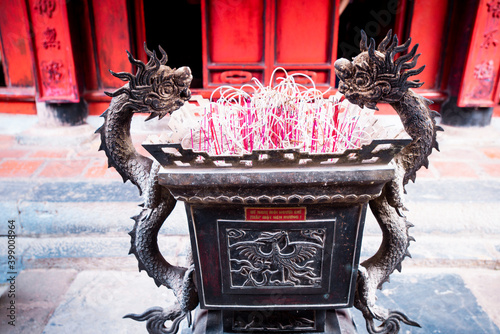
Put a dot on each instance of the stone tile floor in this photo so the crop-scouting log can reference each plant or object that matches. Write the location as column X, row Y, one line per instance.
column 59, row 301
column 471, row 153
column 442, row 301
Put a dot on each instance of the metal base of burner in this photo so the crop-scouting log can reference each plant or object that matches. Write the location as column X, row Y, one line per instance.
column 221, row 322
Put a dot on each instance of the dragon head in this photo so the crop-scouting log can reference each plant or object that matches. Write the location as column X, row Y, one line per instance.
column 272, row 237
column 155, row 88
column 374, row 76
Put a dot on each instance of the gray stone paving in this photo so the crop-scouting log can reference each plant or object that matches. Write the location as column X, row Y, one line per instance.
column 97, row 301
column 60, row 301
column 440, row 302
column 38, row 293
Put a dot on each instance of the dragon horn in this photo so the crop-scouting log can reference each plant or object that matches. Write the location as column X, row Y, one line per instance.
column 383, row 45
column 164, row 57
column 140, row 65
column 148, row 52
column 395, row 42
column 402, row 60
column 371, row 53
column 122, row 75
column 362, row 44
column 150, row 55
column 399, row 49
column 411, row 64
column 156, row 60
column 389, row 54
column 117, row 92
column 125, row 77
column 402, row 47
column 410, row 73
column 371, row 48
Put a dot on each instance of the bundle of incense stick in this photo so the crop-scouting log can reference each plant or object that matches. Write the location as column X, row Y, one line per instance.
column 287, row 115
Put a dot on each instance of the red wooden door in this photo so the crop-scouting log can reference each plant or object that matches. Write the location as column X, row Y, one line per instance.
column 245, row 39
column 233, row 38
column 305, row 43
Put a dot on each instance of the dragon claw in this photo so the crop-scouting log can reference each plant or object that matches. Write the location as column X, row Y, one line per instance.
column 391, row 323
column 156, row 317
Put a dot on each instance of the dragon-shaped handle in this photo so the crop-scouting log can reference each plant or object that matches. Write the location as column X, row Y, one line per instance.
column 158, row 90
column 371, row 77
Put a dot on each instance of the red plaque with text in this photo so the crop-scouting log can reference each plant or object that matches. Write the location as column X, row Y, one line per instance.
column 53, row 51
column 275, row 214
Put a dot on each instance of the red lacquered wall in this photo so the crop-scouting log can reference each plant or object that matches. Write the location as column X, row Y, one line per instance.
column 54, row 53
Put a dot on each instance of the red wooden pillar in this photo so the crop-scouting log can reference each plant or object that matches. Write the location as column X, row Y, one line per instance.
column 475, row 63
column 480, row 85
column 53, row 51
column 428, row 27
column 57, row 53
column 18, row 95
column 233, row 41
column 306, row 39
column 58, row 98
column 112, row 38
column 106, row 38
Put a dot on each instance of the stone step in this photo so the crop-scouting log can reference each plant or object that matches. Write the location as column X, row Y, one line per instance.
column 454, row 221
column 60, row 208
column 60, row 301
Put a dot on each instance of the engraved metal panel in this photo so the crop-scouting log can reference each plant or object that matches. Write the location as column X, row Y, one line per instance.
column 277, row 255
column 275, row 258
column 275, row 321
column 280, row 199
column 378, row 152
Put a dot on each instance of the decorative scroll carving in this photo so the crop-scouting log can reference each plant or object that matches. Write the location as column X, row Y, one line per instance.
column 494, row 8
column 52, row 71
column 51, row 39
column 45, row 7
column 277, row 321
column 378, row 152
column 281, row 199
column 275, row 258
column 484, row 73
column 489, row 39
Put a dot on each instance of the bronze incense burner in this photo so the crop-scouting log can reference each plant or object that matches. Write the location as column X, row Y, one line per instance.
column 277, row 232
